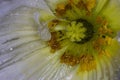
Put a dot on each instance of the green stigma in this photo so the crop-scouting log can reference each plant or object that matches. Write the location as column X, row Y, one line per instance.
column 75, row 31
column 79, row 31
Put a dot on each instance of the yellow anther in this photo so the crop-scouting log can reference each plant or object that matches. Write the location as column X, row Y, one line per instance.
column 108, row 40
column 61, row 6
column 107, row 53
column 87, row 63
column 70, row 59
column 104, row 52
column 90, row 4
column 60, row 9
column 53, row 23
column 97, row 44
column 53, row 43
column 104, row 28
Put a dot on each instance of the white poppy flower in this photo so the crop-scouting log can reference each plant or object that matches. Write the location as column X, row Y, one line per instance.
column 59, row 40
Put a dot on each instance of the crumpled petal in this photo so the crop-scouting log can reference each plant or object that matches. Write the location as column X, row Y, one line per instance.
column 42, row 18
column 6, row 6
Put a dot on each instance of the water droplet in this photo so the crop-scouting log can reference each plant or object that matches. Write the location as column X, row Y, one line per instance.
column 11, row 49
column 119, row 39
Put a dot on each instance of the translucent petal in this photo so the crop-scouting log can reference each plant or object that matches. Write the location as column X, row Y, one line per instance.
column 43, row 17
column 26, row 17
column 7, row 5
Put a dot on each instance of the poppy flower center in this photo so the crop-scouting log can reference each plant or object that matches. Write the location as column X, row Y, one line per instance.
column 79, row 31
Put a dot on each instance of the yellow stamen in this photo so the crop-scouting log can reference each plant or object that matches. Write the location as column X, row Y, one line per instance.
column 53, row 43
column 99, row 20
column 104, row 28
column 90, row 4
column 53, row 23
column 60, row 9
column 99, row 43
column 70, row 59
column 107, row 53
column 108, row 40
column 87, row 63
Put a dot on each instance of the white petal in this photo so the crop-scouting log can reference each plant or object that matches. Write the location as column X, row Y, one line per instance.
column 40, row 65
column 18, row 35
column 7, row 5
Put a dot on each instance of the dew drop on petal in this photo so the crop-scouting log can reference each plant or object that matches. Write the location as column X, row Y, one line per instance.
column 11, row 49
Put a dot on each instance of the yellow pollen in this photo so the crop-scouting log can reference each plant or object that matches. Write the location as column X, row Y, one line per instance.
column 107, row 53
column 87, row 63
column 90, row 4
column 97, row 44
column 108, row 40
column 60, row 9
column 104, row 28
column 70, row 59
column 104, row 52
column 53, row 23
column 53, row 43
column 99, row 20
column 61, row 6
